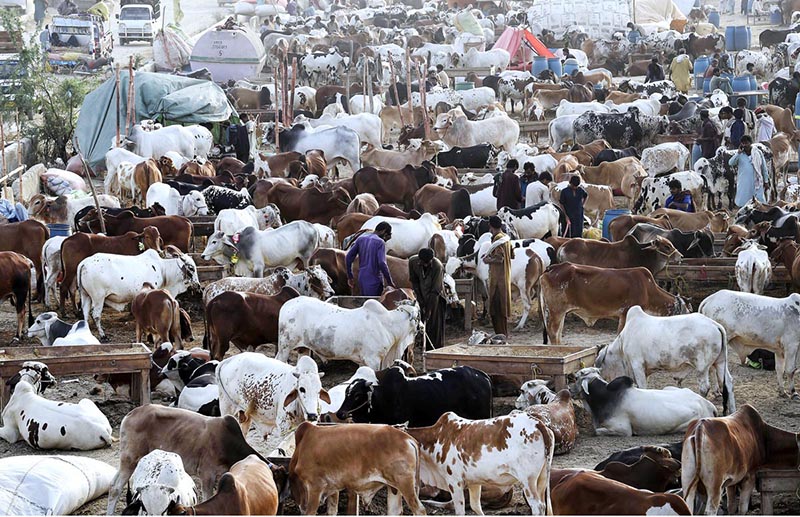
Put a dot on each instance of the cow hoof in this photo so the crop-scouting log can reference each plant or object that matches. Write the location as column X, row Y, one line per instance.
column 103, row 339
column 796, row 396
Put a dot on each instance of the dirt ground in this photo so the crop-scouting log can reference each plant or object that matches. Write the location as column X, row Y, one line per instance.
column 751, row 386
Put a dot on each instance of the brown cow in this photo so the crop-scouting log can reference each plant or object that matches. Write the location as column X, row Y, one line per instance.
column 244, row 319
column 594, row 293
column 559, row 416
column 585, row 492
column 435, row 199
column 259, row 191
column 230, row 165
column 167, row 167
column 247, row 489
column 15, row 282
column 145, row 174
column 222, row 178
column 656, row 471
column 734, row 238
column 726, row 452
column 315, row 163
column 79, row 246
column 627, row 253
column 787, row 254
column 550, row 99
column 387, row 210
column 784, row 121
column 27, row 238
column 216, row 444
column 309, row 204
column 156, row 311
column 394, row 186
column 600, row 198
column 377, row 455
column 620, row 226
column 624, row 175
column 781, row 147
column 174, row 229
column 198, row 169
column 49, row 211
column 276, row 164
column 363, row 204
column 388, row 159
column 348, row 224
column 618, row 97
column 693, row 221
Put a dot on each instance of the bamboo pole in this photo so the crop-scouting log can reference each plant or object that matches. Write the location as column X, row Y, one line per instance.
column 408, row 89
column 294, row 84
column 91, row 187
column 117, row 114
column 364, row 90
column 277, row 110
column 394, row 87
column 19, row 157
column 3, row 152
column 423, row 94
column 285, row 82
column 369, row 88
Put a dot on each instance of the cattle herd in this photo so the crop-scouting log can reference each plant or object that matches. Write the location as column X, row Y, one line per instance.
column 251, row 429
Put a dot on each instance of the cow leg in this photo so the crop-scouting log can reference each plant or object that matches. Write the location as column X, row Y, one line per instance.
column 536, row 502
column 639, row 375
column 730, row 495
column 119, row 481
column 352, row 503
column 394, row 501
column 138, row 332
column 780, row 365
column 313, row 496
column 333, row 503
column 526, row 308
column 475, row 490
column 791, row 360
column 704, row 384
column 459, row 505
column 746, row 487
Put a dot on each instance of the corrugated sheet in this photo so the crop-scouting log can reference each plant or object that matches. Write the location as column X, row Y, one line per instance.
column 600, row 18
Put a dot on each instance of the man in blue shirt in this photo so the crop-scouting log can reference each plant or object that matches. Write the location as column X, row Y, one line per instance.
column 679, row 199
column 372, row 268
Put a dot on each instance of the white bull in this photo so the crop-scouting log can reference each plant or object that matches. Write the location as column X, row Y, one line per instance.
column 561, row 131
column 312, row 281
column 232, row 220
column 158, row 481
column 666, row 157
column 566, row 107
column 753, row 321
column 457, row 131
column 51, row 266
column 370, row 335
column 254, row 250
column 408, row 235
column 753, row 268
column 155, row 144
column 645, row 106
column 273, row 395
column 190, row 205
column 647, row 344
column 367, row 125
column 337, row 143
column 115, row 280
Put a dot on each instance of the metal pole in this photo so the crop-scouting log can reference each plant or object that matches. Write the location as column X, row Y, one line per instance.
column 19, row 157
column 117, row 117
column 369, row 87
column 3, row 152
column 408, row 89
column 394, row 87
column 294, row 83
column 425, row 124
column 277, row 109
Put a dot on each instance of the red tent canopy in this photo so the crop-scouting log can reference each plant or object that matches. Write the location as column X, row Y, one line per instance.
column 512, row 41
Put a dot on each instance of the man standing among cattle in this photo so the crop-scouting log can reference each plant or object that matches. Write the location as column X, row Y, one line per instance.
column 427, row 278
column 373, row 271
column 538, row 191
column 506, row 187
column 751, row 172
column 680, row 71
column 709, row 136
column 572, row 199
column 499, row 256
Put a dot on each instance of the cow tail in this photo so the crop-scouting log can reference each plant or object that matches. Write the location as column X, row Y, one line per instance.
column 176, row 321
column 728, row 399
column 416, row 446
column 691, row 448
column 30, row 295
column 542, row 311
column 706, row 192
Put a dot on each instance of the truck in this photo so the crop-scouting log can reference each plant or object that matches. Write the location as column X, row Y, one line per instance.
column 138, row 20
column 83, row 33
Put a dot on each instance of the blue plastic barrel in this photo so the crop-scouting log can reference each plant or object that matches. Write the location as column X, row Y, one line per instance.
column 554, row 64
column 706, row 85
column 59, row 230
column 797, row 111
column 700, row 67
column 697, row 153
column 570, row 66
column 610, row 216
column 753, row 83
column 539, row 65
column 741, row 38
column 713, row 18
column 730, row 37
column 741, row 84
column 776, row 18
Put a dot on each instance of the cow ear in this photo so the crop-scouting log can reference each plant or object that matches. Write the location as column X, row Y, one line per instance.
column 290, row 398
column 323, row 395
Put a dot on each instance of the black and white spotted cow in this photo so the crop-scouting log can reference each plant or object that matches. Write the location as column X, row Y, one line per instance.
column 655, row 191
column 665, row 87
column 323, row 68
column 220, row 198
column 721, row 178
column 620, row 130
column 47, row 424
column 765, row 63
column 782, row 92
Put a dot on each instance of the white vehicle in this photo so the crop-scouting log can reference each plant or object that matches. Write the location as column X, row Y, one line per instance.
column 86, row 33
column 138, row 20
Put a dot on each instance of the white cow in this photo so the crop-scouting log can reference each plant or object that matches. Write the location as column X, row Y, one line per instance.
column 525, row 283
column 190, row 205
column 79, row 334
column 159, row 481
column 47, row 424
column 370, row 335
column 515, row 448
column 408, row 235
column 270, row 393
column 232, row 220
column 312, row 281
column 497, row 58
column 650, row 106
column 753, row 267
column 115, row 280
column 666, row 157
column 52, row 331
column 560, row 130
column 655, row 191
column 367, row 125
column 753, row 321
column 620, row 409
column 566, row 107
column 358, row 103
column 155, row 144
column 648, row 344
column 483, row 202
column 533, row 222
column 337, row 393
column 338, row 143
column 327, row 237
column 203, row 141
column 477, row 98
column 51, row 265
column 255, row 250
column 457, row 131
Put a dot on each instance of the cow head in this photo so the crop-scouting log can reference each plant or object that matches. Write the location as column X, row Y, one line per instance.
column 302, row 402
column 319, row 282
column 537, row 391
column 41, row 325
column 193, row 204
column 150, row 239
column 610, row 360
column 583, row 378
column 272, row 216
column 680, row 306
column 357, row 403
column 34, row 373
column 220, row 248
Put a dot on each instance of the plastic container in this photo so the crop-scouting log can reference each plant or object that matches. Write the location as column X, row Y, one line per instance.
column 706, row 85
column 59, row 230
column 776, row 18
column 700, row 67
column 742, row 37
column 554, row 64
column 697, row 153
column 539, row 65
column 464, row 85
column 609, row 216
column 570, row 66
column 740, row 84
column 730, row 37
column 713, row 18
column 229, row 54
column 797, row 111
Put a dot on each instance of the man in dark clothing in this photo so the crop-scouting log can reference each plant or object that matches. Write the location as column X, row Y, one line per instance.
column 499, row 256
column 427, row 278
column 737, row 128
column 528, row 176
column 506, row 188
column 373, row 271
column 572, row 199
column 654, row 71
column 242, row 141
column 679, row 199
column 709, row 136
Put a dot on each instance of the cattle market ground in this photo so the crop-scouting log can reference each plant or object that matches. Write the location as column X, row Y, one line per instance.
column 751, row 386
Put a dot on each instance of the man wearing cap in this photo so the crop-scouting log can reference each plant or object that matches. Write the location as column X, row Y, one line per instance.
column 373, row 272
column 427, row 279
column 748, row 117
column 499, row 256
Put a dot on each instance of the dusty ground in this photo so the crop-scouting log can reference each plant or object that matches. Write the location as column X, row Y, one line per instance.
column 751, row 386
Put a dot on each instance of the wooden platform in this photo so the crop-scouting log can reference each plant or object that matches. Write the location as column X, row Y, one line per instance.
column 208, row 271
column 132, row 358
column 770, row 482
column 713, row 271
column 517, row 364
column 465, row 288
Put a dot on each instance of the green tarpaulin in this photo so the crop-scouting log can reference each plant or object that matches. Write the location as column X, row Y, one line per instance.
column 164, row 97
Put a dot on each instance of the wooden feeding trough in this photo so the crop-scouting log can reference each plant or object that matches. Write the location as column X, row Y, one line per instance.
column 131, row 358
column 208, row 270
column 771, row 482
column 514, row 362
